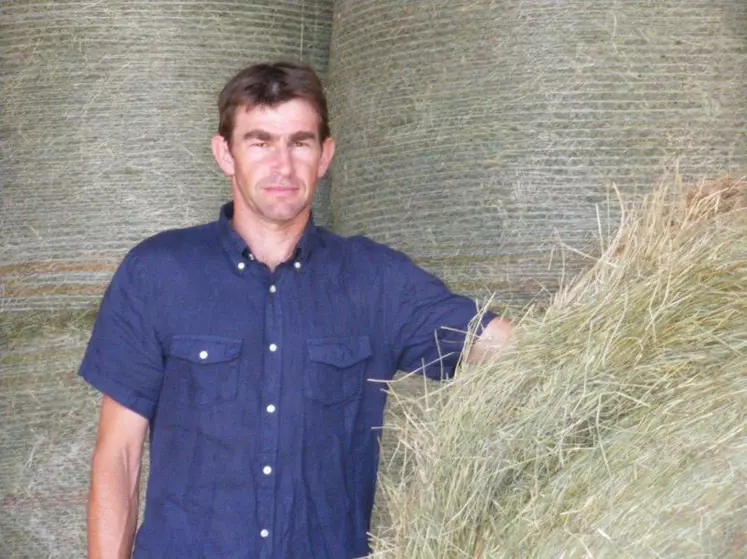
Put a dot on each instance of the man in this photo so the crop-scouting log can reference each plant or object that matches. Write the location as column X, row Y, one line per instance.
column 250, row 347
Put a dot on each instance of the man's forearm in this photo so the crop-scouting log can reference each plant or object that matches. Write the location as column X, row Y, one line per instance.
column 112, row 508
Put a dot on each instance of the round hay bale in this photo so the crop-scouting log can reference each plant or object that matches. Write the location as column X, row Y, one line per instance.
column 617, row 427
column 47, row 432
column 48, row 421
column 476, row 135
column 107, row 113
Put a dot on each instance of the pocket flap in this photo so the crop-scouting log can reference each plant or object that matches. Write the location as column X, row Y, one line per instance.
column 205, row 349
column 340, row 352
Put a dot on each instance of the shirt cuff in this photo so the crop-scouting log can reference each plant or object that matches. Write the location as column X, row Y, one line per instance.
column 119, row 393
column 485, row 320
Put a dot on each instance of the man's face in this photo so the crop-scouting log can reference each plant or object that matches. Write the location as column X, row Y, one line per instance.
column 275, row 160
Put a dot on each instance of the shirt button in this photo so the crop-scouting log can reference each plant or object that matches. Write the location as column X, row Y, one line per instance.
column 270, row 409
column 297, row 265
column 264, row 533
column 241, row 265
column 273, row 289
column 273, row 348
column 267, row 470
column 203, row 354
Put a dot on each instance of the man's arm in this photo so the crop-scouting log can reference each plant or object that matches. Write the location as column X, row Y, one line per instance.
column 497, row 336
column 115, row 481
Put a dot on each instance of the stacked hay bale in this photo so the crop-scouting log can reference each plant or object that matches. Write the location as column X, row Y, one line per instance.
column 617, row 427
column 47, row 429
column 107, row 113
column 476, row 135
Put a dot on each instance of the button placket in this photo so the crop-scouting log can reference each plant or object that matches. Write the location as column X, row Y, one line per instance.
column 269, row 441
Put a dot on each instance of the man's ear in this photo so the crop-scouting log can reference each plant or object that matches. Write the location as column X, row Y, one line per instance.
column 222, row 154
column 328, row 152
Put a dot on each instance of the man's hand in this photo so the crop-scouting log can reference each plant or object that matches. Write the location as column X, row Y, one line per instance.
column 497, row 336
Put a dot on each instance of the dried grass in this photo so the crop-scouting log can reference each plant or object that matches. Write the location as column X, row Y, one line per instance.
column 47, row 432
column 618, row 426
column 491, row 128
column 48, row 420
column 106, row 114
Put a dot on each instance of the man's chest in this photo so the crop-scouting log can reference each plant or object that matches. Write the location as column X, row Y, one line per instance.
column 310, row 347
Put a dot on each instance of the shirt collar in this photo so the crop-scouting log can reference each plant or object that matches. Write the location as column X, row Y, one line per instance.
column 238, row 251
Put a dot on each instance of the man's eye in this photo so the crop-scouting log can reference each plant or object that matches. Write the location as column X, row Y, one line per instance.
column 301, row 144
column 259, row 144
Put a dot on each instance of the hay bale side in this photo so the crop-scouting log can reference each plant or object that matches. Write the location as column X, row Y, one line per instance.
column 48, row 420
column 476, row 135
column 617, row 427
column 107, row 113
column 48, row 428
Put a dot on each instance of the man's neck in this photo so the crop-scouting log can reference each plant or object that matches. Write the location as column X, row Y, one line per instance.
column 271, row 243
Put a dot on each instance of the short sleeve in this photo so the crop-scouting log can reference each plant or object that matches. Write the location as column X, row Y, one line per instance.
column 124, row 358
column 430, row 322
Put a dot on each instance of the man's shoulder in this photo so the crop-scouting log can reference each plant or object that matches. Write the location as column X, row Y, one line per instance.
column 176, row 245
column 360, row 247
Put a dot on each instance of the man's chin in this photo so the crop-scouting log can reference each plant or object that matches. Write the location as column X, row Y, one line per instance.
column 285, row 214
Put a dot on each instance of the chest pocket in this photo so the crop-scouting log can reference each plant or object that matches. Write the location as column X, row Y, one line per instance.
column 337, row 368
column 207, row 367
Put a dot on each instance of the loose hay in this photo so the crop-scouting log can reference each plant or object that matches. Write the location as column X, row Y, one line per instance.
column 618, row 426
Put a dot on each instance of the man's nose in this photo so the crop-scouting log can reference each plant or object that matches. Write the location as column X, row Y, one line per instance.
column 283, row 160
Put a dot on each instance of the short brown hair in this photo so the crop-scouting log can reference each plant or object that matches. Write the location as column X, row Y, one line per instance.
column 270, row 85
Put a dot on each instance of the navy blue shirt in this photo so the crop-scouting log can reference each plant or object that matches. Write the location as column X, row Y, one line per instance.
column 263, row 389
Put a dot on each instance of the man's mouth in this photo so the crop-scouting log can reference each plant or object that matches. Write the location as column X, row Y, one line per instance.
column 281, row 189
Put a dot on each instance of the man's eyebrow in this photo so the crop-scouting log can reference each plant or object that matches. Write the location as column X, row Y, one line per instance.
column 303, row 135
column 258, row 134
column 265, row 136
